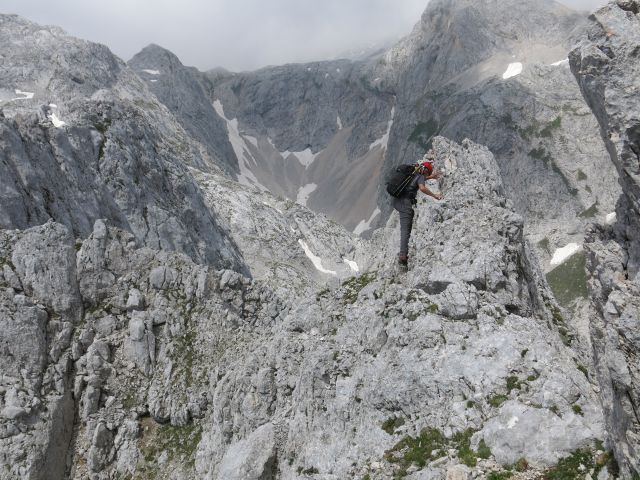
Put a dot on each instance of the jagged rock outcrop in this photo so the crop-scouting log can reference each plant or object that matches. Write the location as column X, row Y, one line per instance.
column 182, row 91
column 606, row 65
column 468, row 72
column 171, row 369
column 283, row 243
column 82, row 138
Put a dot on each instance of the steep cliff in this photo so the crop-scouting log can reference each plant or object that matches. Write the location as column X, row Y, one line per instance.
column 607, row 68
column 82, row 138
column 145, row 364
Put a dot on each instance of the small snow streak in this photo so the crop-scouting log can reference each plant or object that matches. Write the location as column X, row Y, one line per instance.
column 305, row 157
column 339, row 123
column 512, row 70
column 352, row 265
column 151, row 72
column 561, row 63
column 304, row 193
column 611, row 218
column 25, row 95
column 384, row 140
column 363, row 226
column 561, row 255
column 56, row 121
column 240, row 148
column 317, row 261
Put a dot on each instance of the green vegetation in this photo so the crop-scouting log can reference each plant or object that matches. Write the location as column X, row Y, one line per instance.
column 419, row 450
column 575, row 466
column 500, row 475
column 508, row 122
column 179, row 442
column 432, row 444
column 541, row 154
column 544, row 245
column 521, row 465
column 538, row 130
column 590, row 212
column 308, row 471
column 568, row 281
column 391, row 424
column 550, row 127
column 183, row 355
column 324, row 293
column 353, row 286
column 497, row 400
column 577, row 410
column 584, row 370
column 513, row 383
column 424, row 132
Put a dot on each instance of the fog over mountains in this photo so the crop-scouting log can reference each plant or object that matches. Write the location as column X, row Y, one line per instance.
column 198, row 268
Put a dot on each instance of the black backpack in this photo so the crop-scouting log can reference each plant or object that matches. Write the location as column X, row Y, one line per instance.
column 400, row 179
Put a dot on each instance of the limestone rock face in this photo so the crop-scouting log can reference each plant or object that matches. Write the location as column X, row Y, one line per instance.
column 606, row 67
column 466, row 71
column 88, row 140
column 156, row 365
column 183, row 91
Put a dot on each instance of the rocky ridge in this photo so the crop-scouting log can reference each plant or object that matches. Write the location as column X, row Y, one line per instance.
column 170, row 369
column 86, row 139
column 605, row 64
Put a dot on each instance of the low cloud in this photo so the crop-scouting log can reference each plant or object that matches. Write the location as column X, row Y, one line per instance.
column 235, row 34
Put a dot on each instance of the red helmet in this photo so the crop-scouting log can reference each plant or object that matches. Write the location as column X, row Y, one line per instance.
column 428, row 166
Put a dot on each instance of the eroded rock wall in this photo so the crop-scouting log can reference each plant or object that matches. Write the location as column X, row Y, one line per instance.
column 606, row 65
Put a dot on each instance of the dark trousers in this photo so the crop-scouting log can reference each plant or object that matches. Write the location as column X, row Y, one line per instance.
column 404, row 206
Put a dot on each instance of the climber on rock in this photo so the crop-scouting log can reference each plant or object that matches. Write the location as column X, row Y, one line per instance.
column 404, row 186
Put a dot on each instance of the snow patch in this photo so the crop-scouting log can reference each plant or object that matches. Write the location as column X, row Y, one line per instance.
column 305, row 192
column 317, row 261
column 326, row 75
column 363, row 226
column 308, row 69
column 560, row 63
column 338, row 70
column 512, row 422
column 153, row 80
column 53, row 105
column 352, row 265
column 151, row 72
column 25, row 95
column 240, row 148
column 561, row 255
column 339, row 123
column 56, row 121
column 305, row 157
column 252, row 140
column 611, row 218
column 512, row 70
column 384, row 140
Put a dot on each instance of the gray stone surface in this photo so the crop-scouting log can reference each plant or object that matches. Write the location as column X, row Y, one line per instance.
column 606, row 66
column 133, row 341
column 119, row 153
column 215, row 375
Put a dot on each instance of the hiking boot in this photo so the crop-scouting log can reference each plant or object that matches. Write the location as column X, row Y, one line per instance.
column 403, row 259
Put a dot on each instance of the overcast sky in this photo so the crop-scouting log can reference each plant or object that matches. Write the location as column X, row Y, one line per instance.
column 235, row 34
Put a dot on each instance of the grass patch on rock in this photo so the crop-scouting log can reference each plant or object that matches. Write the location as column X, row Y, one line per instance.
column 430, row 445
column 568, row 281
column 353, row 286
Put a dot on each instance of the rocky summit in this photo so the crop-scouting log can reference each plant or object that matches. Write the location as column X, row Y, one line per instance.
column 198, row 270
